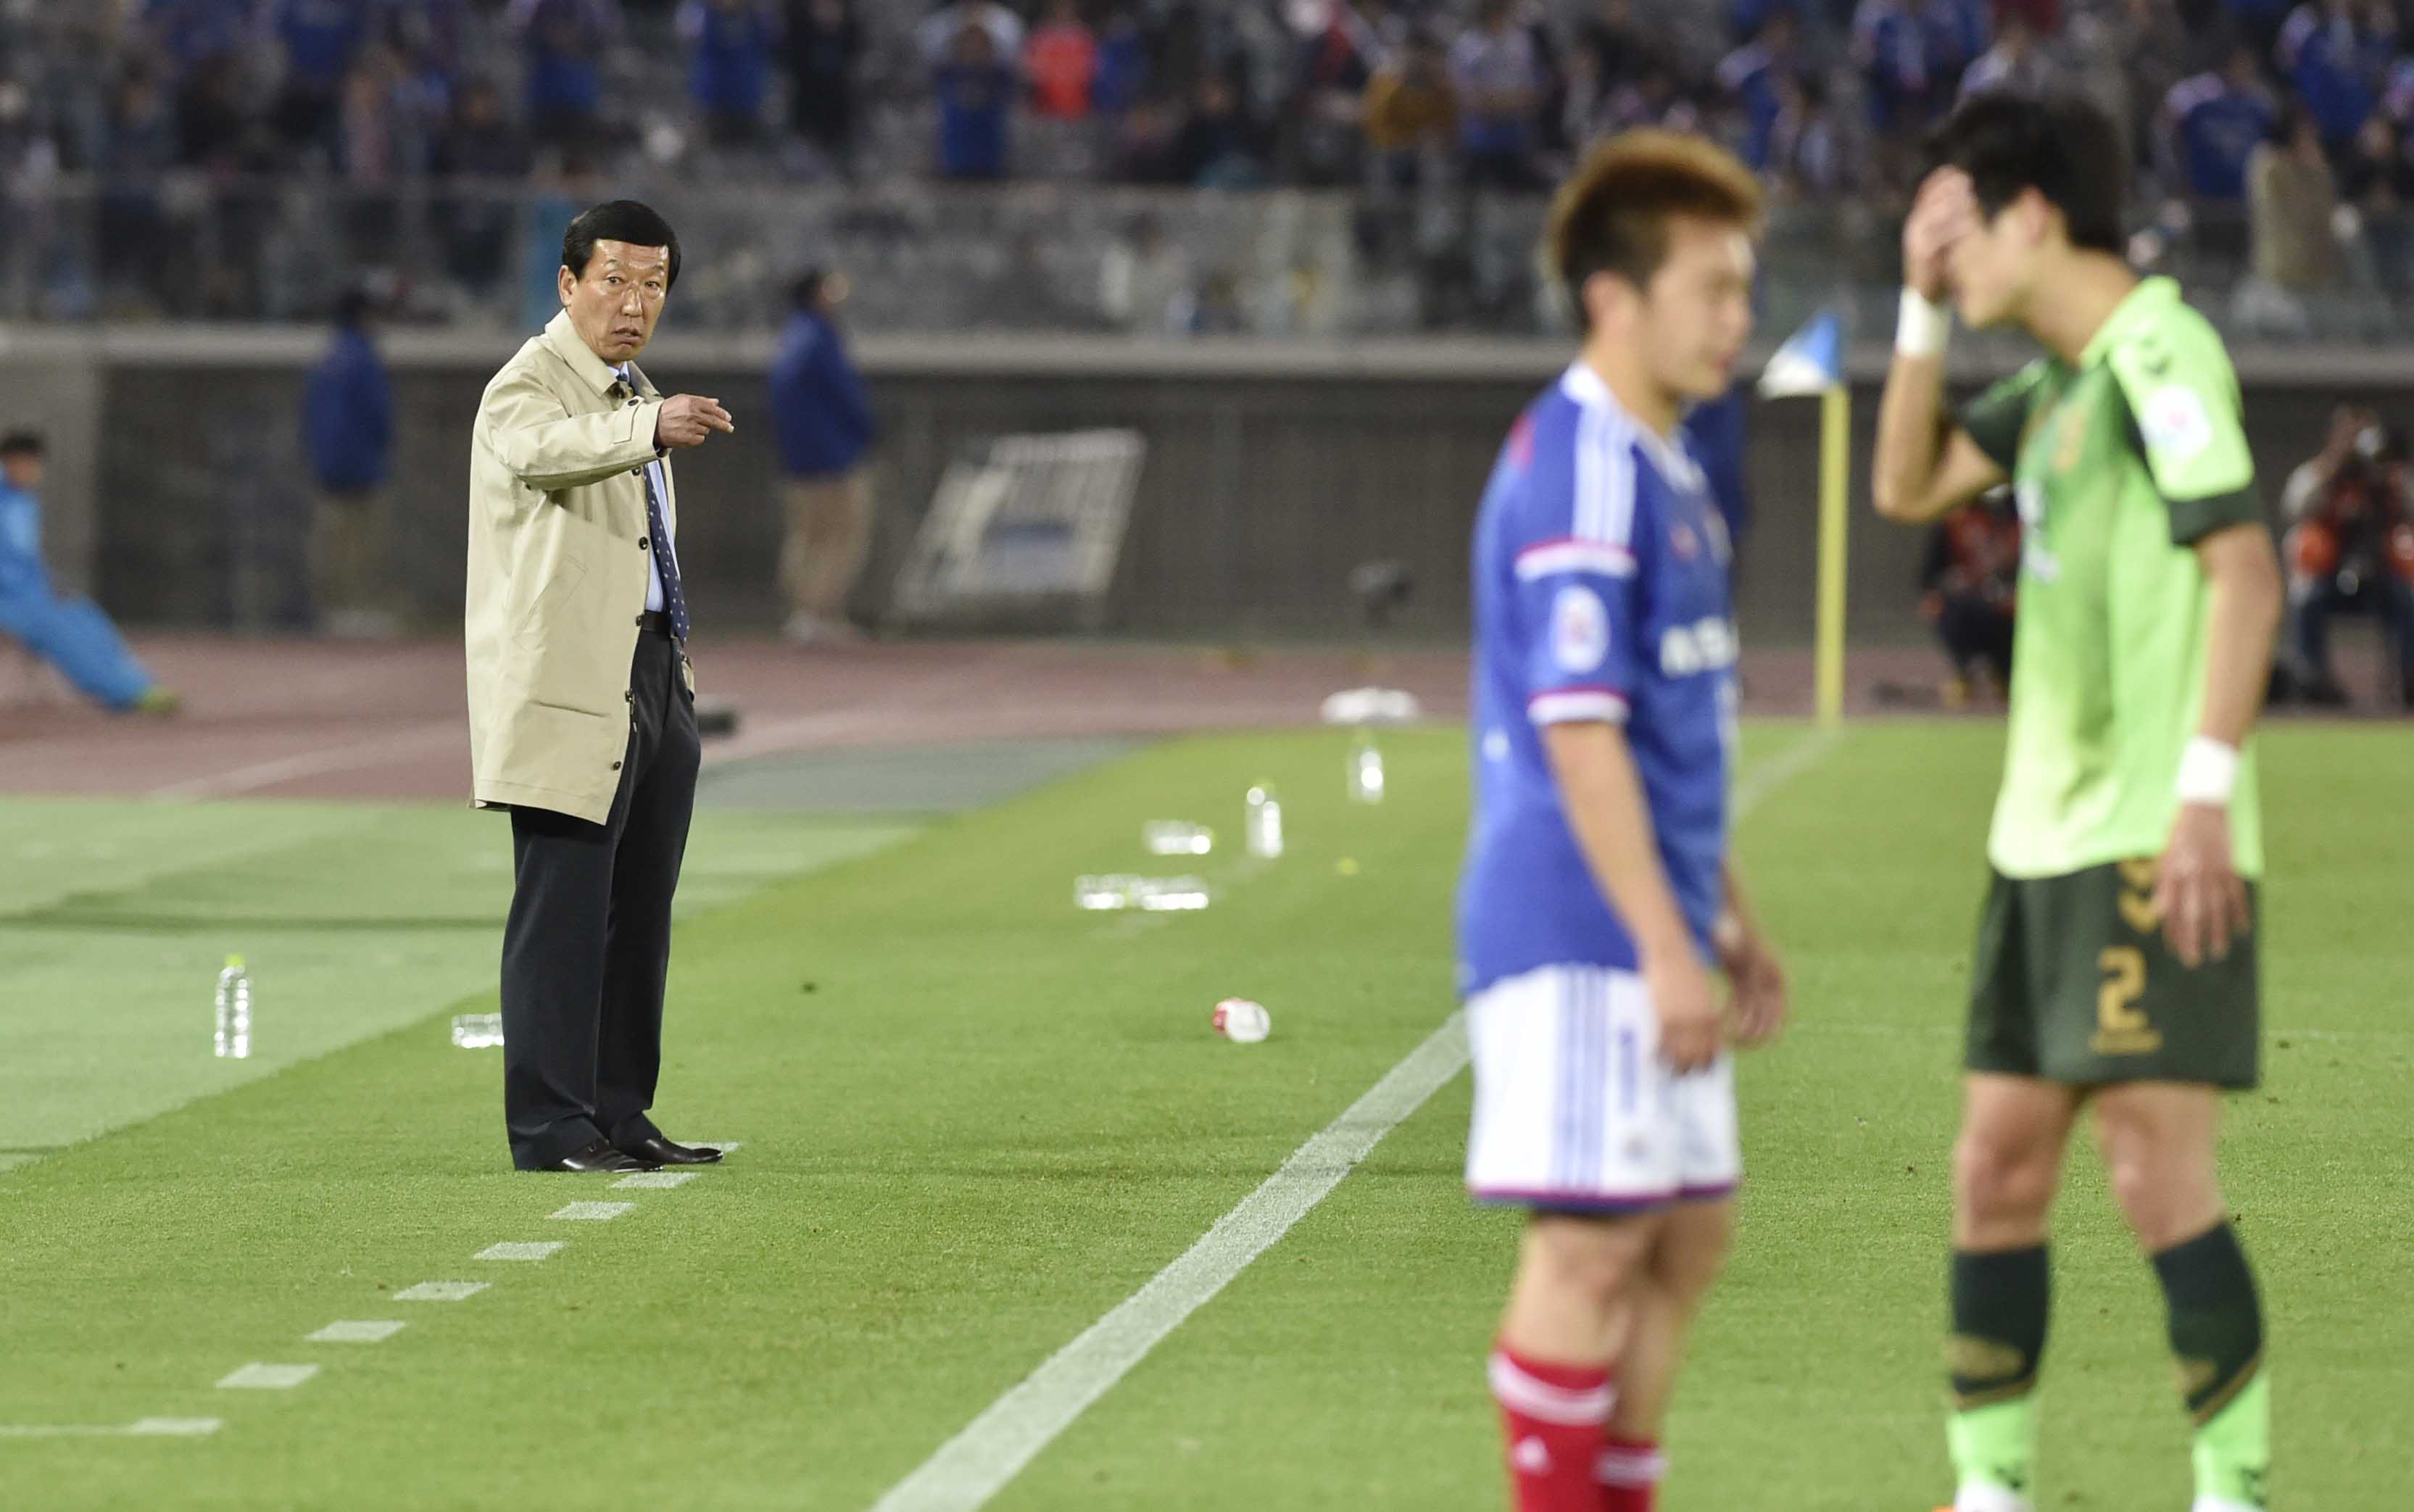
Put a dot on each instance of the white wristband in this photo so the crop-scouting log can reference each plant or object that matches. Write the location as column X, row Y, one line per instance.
column 2208, row 772
column 1924, row 327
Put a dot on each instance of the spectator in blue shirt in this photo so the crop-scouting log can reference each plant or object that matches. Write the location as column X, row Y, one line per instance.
column 1500, row 81
column 730, row 78
column 1748, row 76
column 1901, row 81
column 2210, row 125
column 72, row 634
column 347, row 427
column 2322, row 51
column 1123, row 64
column 321, row 37
column 975, row 92
column 824, row 39
column 823, row 423
column 563, row 42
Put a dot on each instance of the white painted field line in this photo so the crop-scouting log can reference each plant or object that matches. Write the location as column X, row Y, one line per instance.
column 593, row 1212
column 978, row 1462
column 144, row 1427
column 441, row 1291
column 378, row 751
column 520, row 1249
column 355, row 1331
column 655, row 1180
column 260, row 1377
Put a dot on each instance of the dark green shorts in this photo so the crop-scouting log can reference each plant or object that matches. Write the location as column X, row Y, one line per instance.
column 2074, row 983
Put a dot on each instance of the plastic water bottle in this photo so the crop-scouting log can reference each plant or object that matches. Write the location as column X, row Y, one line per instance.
column 234, row 1012
column 1365, row 771
column 1264, row 826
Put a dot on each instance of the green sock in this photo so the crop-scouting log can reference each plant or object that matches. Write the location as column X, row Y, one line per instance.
column 2233, row 1449
column 2216, row 1332
column 2001, row 1302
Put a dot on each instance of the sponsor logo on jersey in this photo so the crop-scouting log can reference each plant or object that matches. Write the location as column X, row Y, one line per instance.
column 1705, row 645
column 1579, row 630
column 2175, row 423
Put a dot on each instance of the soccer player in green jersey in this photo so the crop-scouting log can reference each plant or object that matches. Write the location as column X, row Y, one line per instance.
column 2115, row 966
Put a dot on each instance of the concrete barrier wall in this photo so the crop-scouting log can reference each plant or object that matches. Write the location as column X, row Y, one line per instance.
column 182, row 498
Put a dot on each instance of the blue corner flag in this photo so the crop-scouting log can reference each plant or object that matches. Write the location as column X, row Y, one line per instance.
column 1812, row 362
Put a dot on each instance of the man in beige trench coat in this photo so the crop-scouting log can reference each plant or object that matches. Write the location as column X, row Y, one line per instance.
column 582, row 703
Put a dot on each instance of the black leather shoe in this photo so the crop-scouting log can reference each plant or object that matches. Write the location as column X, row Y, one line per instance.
column 600, row 1156
column 659, row 1151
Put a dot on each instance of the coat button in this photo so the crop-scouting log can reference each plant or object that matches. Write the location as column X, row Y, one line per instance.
column 633, row 404
column 643, row 544
column 631, row 696
column 616, row 766
column 641, row 622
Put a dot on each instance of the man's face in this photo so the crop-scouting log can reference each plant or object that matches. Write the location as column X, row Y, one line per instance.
column 1993, row 268
column 23, row 470
column 1690, row 325
column 614, row 304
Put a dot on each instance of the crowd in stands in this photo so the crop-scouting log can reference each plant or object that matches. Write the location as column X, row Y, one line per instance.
column 2273, row 132
column 1822, row 95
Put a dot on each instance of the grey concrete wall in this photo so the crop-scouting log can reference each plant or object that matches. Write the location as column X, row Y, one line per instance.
column 1268, row 478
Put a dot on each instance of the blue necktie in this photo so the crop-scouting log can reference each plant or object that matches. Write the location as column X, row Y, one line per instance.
column 665, row 559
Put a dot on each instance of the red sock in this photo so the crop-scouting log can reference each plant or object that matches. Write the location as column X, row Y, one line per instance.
column 1629, row 1471
column 1551, row 1420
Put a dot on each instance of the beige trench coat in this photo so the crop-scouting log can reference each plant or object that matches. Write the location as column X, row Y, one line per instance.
column 558, row 574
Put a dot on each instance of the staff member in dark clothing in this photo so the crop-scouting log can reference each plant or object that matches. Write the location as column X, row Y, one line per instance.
column 582, row 702
column 1969, row 584
column 825, row 426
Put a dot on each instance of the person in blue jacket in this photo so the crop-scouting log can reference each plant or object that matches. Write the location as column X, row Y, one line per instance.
column 72, row 634
column 347, row 428
column 824, row 426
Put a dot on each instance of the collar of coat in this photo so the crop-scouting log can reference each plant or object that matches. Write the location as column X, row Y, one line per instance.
column 593, row 371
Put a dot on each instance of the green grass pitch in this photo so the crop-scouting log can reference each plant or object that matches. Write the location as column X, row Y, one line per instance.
column 975, row 1120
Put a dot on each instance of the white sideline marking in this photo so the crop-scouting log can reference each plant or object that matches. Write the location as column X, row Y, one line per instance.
column 381, row 751
column 258, row 1377
column 594, row 1212
column 441, row 1291
column 994, row 1448
column 530, row 1250
column 144, row 1427
column 354, row 1331
column 656, row 1180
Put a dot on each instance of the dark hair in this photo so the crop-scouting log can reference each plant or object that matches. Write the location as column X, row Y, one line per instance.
column 354, row 305
column 21, row 444
column 1612, row 215
column 619, row 220
column 2062, row 147
column 807, row 291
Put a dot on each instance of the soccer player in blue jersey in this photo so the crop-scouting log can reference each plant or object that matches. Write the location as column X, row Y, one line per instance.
column 1599, row 895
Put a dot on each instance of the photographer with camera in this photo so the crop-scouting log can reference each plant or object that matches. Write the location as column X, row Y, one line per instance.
column 2349, row 547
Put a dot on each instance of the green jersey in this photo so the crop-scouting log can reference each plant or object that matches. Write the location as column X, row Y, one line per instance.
column 2119, row 464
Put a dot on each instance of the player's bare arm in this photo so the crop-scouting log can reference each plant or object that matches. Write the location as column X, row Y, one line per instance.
column 1604, row 799
column 1924, row 466
column 1756, row 971
column 2196, row 888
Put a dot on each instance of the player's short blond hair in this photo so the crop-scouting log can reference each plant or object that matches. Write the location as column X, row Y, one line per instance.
column 1611, row 214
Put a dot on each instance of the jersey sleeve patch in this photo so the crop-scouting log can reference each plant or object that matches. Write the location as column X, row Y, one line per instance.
column 2184, row 407
column 1579, row 630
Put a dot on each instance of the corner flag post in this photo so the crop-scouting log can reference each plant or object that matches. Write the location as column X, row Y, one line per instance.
column 1813, row 363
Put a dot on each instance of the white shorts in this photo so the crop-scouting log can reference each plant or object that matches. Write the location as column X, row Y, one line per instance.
column 1574, row 1108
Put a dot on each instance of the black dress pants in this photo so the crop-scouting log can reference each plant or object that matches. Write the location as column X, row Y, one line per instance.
column 588, row 943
